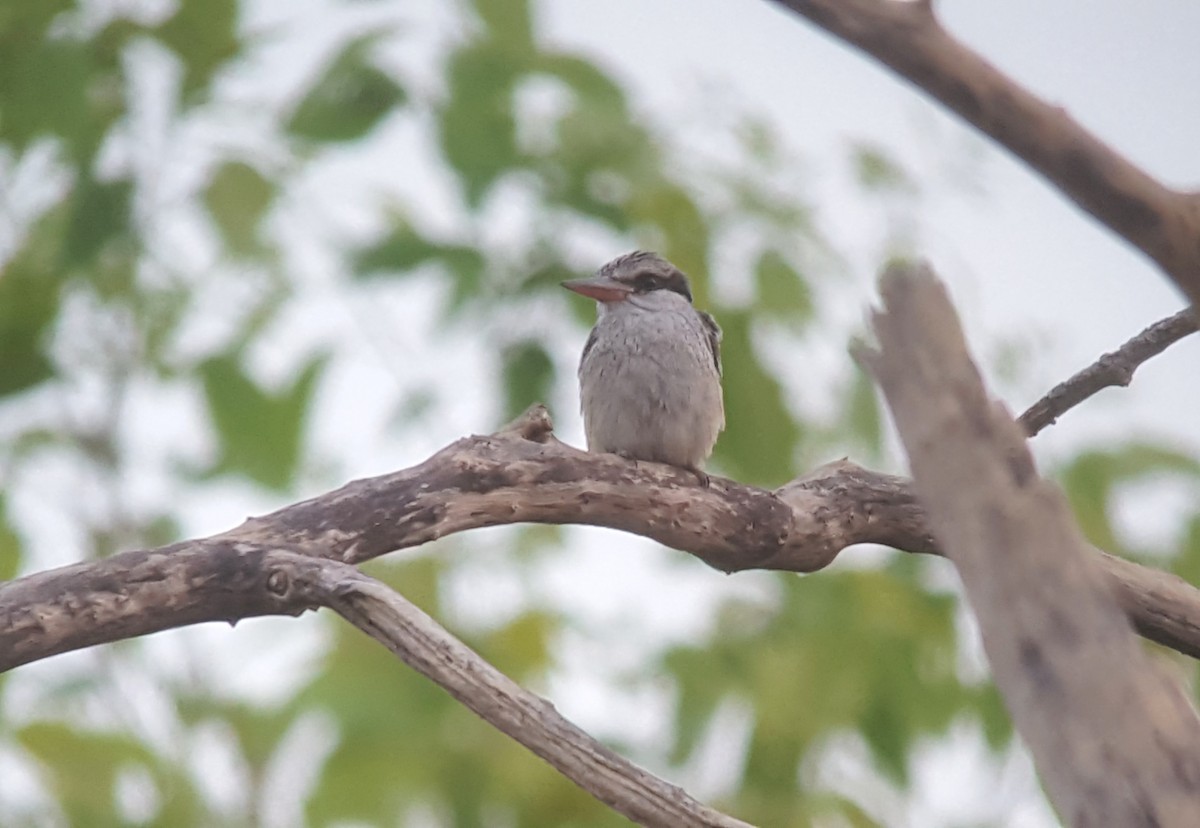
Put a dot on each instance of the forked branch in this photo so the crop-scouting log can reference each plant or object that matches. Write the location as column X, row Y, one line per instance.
column 423, row 644
column 521, row 474
column 302, row 557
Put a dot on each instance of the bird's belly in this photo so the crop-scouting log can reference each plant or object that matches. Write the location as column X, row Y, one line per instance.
column 632, row 406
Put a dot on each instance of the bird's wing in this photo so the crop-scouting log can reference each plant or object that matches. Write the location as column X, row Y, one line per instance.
column 713, row 331
column 591, row 340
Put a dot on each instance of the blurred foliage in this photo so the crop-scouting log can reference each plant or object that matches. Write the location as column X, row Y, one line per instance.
column 237, row 198
column 10, row 545
column 261, row 432
column 105, row 301
column 1094, row 479
column 877, row 170
column 348, row 101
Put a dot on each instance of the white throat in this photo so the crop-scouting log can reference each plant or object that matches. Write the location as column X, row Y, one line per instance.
column 656, row 301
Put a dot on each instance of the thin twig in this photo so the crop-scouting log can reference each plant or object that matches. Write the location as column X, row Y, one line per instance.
column 1113, row 369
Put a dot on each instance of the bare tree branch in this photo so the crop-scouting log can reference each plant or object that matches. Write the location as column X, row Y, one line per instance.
column 907, row 37
column 1114, row 368
column 1114, row 739
column 301, row 557
column 135, row 593
column 521, row 474
column 420, row 642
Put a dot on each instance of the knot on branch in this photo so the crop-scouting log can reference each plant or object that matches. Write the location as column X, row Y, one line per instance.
column 277, row 582
column 534, row 424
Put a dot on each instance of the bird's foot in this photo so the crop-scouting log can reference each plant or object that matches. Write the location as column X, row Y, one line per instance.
column 701, row 476
column 625, row 455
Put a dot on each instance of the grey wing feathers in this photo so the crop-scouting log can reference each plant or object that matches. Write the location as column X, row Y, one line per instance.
column 713, row 330
column 587, row 346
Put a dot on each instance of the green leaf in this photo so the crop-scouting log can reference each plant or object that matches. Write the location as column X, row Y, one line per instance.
column 782, row 292
column 601, row 159
column 29, row 20
column 528, row 376
column 521, row 649
column 476, row 125
column 788, row 662
column 508, row 21
column 388, row 716
column 82, row 766
column 590, row 83
column 1187, row 559
column 879, row 172
column 30, row 285
column 203, row 33
column 541, row 275
column 400, row 251
column 54, row 85
column 10, row 544
column 237, row 198
column 994, row 718
column 349, row 100
column 1093, row 479
column 262, row 433
column 259, row 731
column 405, row 249
column 466, row 267
column 862, row 418
column 761, row 436
column 673, row 211
column 100, row 215
column 43, row 82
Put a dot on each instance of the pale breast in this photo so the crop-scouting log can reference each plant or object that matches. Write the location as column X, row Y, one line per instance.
column 650, row 387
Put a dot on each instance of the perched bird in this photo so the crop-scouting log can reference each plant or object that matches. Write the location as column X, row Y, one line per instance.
column 650, row 375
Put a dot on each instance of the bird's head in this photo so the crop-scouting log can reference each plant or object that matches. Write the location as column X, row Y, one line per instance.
column 632, row 275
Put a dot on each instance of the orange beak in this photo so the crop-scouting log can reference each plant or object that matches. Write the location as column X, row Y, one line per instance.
column 600, row 288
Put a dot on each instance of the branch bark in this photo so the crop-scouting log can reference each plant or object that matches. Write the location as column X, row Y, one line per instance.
column 1114, row 739
column 136, row 593
column 302, row 557
column 1115, row 368
column 907, row 37
column 521, row 474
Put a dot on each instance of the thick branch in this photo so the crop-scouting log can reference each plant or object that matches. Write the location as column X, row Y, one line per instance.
column 906, row 36
column 1114, row 739
column 420, row 642
column 1115, row 368
column 133, row 594
column 521, row 474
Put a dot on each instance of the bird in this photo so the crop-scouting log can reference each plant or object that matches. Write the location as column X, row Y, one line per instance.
column 650, row 373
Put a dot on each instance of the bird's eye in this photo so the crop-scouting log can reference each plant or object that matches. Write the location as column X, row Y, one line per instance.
column 644, row 283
